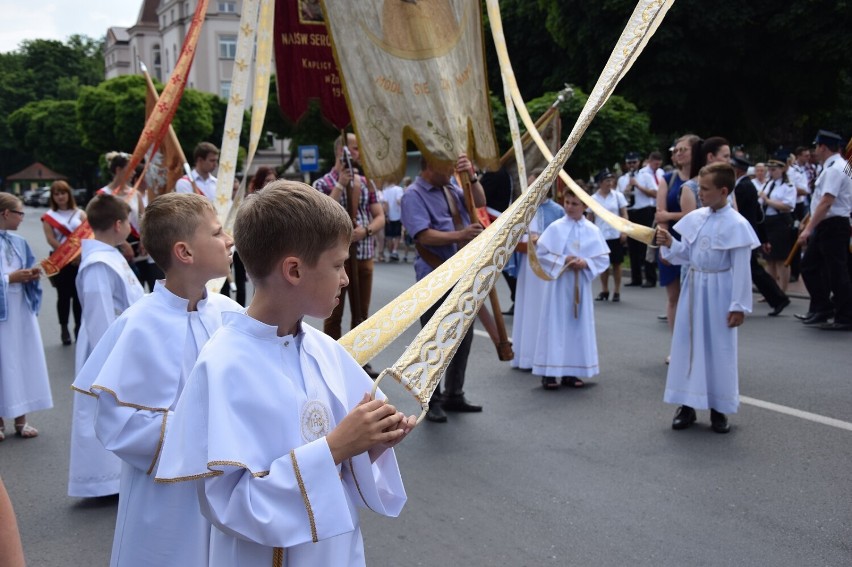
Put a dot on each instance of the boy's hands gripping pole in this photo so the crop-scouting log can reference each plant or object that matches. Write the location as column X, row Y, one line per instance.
column 372, row 425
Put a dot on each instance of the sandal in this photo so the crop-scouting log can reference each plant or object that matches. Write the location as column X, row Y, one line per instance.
column 616, row 297
column 572, row 382
column 602, row 296
column 25, row 430
column 549, row 383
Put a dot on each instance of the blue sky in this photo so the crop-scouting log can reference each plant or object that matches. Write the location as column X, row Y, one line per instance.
column 58, row 19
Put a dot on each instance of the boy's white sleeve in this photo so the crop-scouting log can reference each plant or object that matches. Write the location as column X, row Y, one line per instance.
column 741, row 287
column 677, row 253
column 95, row 293
column 134, row 435
column 301, row 499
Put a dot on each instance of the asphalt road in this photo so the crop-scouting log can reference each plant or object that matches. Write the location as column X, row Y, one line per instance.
column 584, row 477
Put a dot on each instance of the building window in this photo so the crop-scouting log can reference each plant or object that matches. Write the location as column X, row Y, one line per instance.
column 227, row 46
column 225, row 89
column 230, row 7
column 158, row 62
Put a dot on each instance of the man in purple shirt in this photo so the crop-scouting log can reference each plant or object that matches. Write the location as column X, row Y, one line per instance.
column 433, row 212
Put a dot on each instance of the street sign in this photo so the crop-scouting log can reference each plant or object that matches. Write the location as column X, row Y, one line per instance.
column 309, row 158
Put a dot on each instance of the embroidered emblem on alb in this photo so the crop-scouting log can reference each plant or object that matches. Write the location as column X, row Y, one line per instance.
column 316, row 420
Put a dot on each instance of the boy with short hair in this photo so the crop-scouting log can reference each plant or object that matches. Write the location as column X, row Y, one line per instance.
column 138, row 372
column 276, row 421
column 716, row 244
column 106, row 286
column 572, row 252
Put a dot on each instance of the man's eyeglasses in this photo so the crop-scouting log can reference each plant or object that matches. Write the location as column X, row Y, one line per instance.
column 20, row 213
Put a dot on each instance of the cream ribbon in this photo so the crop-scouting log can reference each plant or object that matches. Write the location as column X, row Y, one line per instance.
column 424, row 362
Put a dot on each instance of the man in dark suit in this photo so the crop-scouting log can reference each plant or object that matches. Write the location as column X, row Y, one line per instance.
column 749, row 207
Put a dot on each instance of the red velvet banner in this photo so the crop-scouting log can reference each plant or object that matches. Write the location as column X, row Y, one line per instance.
column 305, row 67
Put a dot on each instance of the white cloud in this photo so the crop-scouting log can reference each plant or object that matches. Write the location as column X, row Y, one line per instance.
column 59, row 19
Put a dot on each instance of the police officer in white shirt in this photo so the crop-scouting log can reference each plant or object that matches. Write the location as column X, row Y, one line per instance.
column 825, row 263
column 643, row 187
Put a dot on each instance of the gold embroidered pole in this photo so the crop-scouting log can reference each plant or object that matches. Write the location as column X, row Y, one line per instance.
column 423, row 363
column 260, row 100
column 236, row 108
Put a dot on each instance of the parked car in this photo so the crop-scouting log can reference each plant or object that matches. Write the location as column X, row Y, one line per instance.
column 44, row 197
column 33, row 198
column 81, row 197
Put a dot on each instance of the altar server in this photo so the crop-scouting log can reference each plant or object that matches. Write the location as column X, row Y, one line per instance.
column 138, row 372
column 276, row 423
column 573, row 252
column 106, row 286
column 716, row 242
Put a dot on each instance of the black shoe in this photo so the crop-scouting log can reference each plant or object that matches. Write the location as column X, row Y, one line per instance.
column 616, row 297
column 633, row 284
column 794, row 279
column 684, row 417
column 510, row 311
column 803, row 316
column 436, row 413
column 835, row 326
column 649, row 284
column 66, row 336
column 776, row 311
column 370, row 372
column 549, row 383
column 817, row 318
column 719, row 422
column 460, row 404
column 602, row 296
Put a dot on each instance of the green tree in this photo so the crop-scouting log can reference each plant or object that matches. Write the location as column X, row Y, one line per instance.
column 111, row 116
column 750, row 71
column 48, row 132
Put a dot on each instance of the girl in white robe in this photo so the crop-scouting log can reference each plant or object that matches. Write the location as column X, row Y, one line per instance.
column 106, row 286
column 716, row 242
column 573, row 252
column 24, row 384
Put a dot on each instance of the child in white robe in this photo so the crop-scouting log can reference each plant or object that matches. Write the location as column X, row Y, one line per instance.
column 106, row 287
column 276, row 424
column 716, row 242
column 138, row 373
column 572, row 252
column 24, row 384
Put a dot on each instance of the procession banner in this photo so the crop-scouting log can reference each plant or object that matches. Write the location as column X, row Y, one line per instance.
column 305, row 67
column 424, row 362
column 230, row 148
column 260, row 101
column 164, row 163
column 413, row 71
column 158, row 123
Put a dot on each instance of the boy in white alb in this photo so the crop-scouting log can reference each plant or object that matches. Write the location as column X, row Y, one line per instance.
column 106, row 287
column 716, row 242
column 276, row 425
column 138, row 373
column 572, row 252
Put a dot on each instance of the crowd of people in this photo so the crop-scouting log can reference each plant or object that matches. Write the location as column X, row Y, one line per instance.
column 212, row 488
